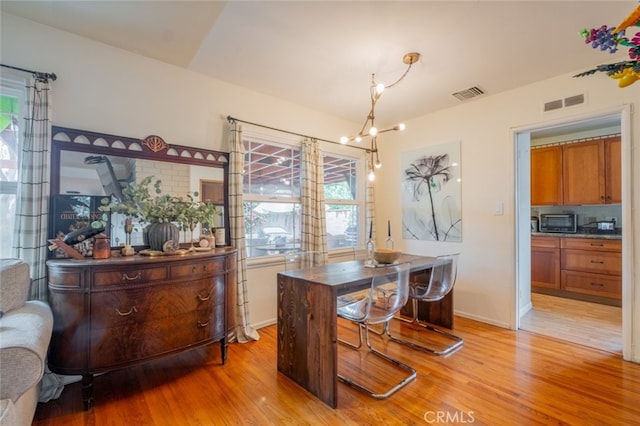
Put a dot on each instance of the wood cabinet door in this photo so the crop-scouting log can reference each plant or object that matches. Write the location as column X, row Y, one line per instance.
column 613, row 157
column 545, row 267
column 546, row 176
column 583, row 173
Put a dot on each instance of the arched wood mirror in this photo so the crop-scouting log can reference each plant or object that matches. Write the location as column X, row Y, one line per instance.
column 88, row 166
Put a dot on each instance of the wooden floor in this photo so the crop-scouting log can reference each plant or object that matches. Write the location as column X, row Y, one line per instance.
column 499, row 377
column 590, row 324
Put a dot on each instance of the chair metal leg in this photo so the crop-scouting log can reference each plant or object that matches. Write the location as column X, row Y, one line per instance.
column 353, row 345
column 395, row 362
column 458, row 341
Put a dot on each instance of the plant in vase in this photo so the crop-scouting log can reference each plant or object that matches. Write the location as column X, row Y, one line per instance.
column 165, row 214
column 150, row 207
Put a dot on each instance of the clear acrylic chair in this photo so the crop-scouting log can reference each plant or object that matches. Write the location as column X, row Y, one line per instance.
column 373, row 306
column 441, row 282
column 302, row 260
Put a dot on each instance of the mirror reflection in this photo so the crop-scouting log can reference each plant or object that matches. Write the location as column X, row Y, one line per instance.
column 84, row 173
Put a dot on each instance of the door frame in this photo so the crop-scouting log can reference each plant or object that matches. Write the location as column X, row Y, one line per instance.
column 522, row 288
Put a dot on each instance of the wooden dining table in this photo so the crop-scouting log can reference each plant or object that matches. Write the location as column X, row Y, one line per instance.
column 307, row 318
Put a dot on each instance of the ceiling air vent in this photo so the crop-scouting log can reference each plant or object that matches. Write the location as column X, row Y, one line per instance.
column 469, row 93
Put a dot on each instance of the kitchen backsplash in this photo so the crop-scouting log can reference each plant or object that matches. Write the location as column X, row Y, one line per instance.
column 586, row 214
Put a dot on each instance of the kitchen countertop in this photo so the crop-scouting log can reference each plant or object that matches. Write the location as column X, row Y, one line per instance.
column 577, row 235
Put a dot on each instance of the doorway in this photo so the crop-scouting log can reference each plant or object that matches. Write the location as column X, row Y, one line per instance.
column 582, row 322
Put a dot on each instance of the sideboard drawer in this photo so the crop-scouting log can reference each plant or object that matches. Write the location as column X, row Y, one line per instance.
column 129, row 276
column 114, row 308
column 206, row 268
column 144, row 340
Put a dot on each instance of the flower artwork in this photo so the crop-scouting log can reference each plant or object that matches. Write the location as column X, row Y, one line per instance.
column 609, row 39
column 431, row 194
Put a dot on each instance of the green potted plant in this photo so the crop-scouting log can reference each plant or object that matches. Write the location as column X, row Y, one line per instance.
column 160, row 211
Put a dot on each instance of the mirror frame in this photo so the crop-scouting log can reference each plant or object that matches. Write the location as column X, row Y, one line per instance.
column 151, row 148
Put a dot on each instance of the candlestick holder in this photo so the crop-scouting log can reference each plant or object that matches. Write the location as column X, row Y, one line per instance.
column 371, row 248
column 128, row 229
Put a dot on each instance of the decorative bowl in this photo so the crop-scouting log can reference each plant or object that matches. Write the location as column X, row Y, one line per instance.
column 386, row 255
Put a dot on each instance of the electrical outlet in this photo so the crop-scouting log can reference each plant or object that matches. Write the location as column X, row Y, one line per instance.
column 611, row 218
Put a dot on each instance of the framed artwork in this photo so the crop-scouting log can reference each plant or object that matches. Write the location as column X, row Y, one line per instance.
column 431, row 193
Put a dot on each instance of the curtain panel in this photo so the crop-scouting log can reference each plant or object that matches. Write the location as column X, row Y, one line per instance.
column 312, row 221
column 240, row 328
column 32, row 209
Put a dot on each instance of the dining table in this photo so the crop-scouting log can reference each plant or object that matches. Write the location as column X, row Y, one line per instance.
column 307, row 318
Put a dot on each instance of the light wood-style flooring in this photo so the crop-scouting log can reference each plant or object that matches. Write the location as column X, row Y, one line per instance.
column 590, row 324
column 499, row 377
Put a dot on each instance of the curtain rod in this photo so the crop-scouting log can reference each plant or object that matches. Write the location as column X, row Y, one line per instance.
column 231, row 119
column 37, row 74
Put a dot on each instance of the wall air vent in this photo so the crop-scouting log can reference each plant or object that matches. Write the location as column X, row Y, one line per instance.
column 574, row 100
column 469, row 93
column 564, row 103
column 550, row 106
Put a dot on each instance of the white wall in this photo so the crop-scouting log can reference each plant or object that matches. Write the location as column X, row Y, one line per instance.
column 485, row 127
column 104, row 89
column 108, row 90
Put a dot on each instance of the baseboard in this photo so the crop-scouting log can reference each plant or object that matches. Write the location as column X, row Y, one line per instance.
column 482, row 319
column 525, row 309
column 266, row 323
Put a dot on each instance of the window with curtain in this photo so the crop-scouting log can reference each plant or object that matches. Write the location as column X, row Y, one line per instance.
column 344, row 200
column 271, row 195
column 11, row 104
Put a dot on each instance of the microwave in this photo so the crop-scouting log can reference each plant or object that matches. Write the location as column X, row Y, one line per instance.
column 564, row 223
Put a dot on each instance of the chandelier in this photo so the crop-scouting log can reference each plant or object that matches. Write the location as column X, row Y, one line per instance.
column 369, row 128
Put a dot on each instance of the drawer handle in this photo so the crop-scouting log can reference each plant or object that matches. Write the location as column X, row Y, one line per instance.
column 194, row 269
column 204, row 298
column 597, row 284
column 202, row 324
column 124, row 314
column 598, row 261
column 596, row 244
column 128, row 278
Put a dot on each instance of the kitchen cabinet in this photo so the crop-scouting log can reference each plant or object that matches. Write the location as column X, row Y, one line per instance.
column 546, row 176
column 591, row 172
column 613, row 169
column 592, row 267
column 545, row 262
column 121, row 311
column 578, row 268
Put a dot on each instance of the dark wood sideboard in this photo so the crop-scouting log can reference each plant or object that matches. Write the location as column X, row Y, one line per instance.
column 121, row 311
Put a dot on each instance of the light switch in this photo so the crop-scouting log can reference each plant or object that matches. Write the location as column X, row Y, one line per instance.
column 498, row 210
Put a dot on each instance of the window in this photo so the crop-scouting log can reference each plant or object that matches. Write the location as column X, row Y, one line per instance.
column 343, row 201
column 271, row 192
column 11, row 104
column 272, row 205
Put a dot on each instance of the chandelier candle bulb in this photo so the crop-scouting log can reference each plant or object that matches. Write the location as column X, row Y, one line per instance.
column 375, row 91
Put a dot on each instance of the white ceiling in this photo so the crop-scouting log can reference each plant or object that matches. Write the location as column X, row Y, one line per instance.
column 321, row 54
